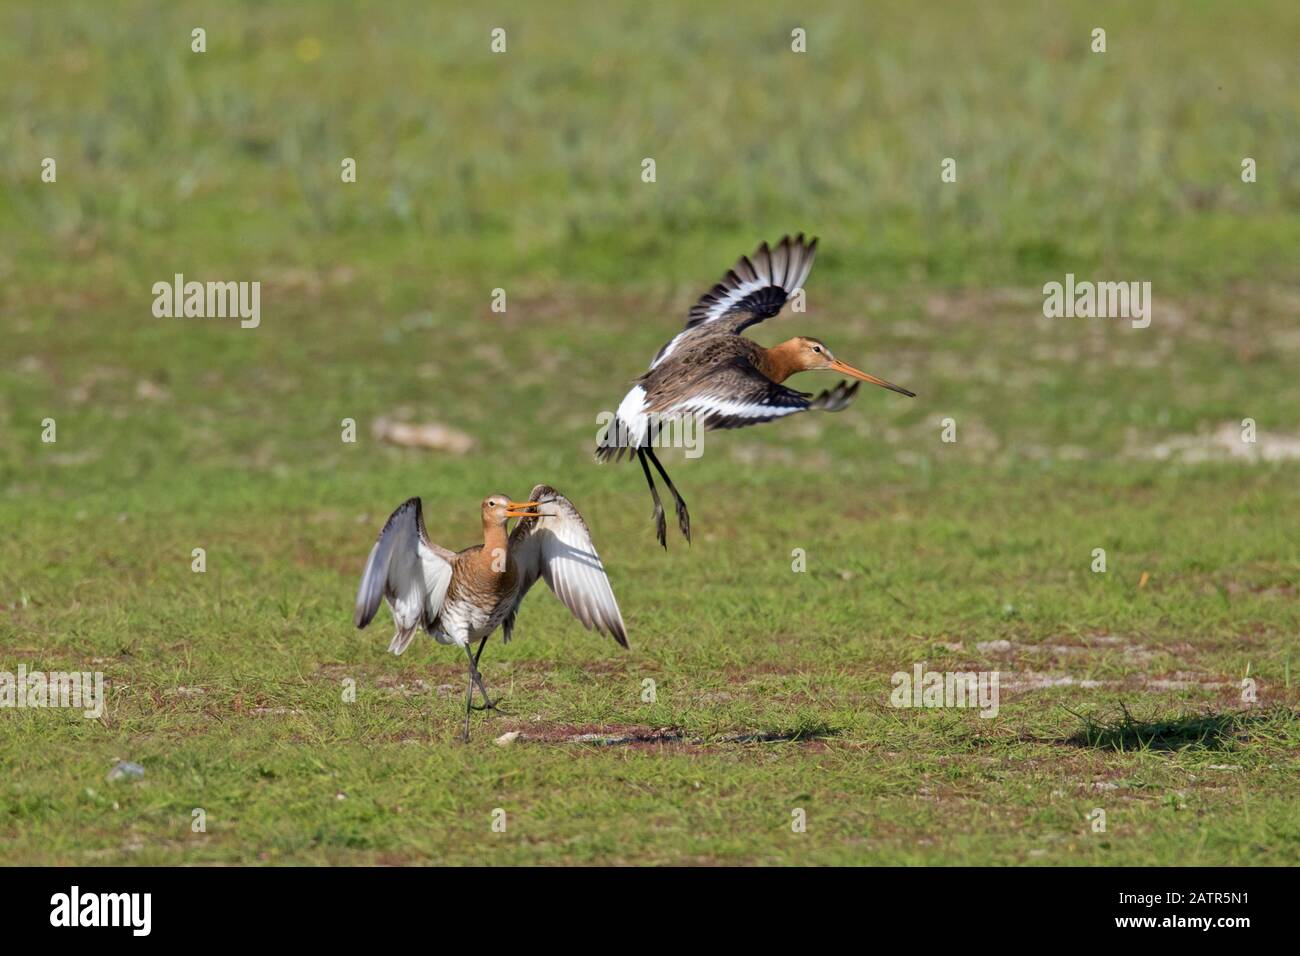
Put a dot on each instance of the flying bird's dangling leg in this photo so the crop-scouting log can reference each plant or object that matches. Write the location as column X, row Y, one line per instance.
column 683, row 516
column 488, row 702
column 661, row 526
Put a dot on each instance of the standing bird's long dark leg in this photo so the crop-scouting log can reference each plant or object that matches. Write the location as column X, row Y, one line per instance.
column 469, row 695
column 488, row 702
column 683, row 516
column 661, row 526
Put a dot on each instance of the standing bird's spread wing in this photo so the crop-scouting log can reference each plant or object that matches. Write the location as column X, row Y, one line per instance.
column 409, row 571
column 753, row 290
column 558, row 547
column 737, row 394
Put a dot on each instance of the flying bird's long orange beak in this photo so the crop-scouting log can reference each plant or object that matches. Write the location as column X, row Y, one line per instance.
column 847, row 369
column 514, row 509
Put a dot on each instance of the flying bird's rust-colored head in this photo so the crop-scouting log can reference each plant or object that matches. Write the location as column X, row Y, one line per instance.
column 804, row 354
column 498, row 509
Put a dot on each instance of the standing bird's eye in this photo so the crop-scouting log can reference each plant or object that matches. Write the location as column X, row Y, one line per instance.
column 817, row 349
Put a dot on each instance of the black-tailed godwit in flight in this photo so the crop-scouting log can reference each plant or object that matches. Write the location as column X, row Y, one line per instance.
column 712, row 372
column 459, row 597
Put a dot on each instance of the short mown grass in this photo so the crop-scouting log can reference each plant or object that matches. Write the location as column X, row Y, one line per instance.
column 1161, row 691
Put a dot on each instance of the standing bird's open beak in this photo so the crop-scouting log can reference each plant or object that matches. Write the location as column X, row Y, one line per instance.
column 514, row 509
column 847, row 369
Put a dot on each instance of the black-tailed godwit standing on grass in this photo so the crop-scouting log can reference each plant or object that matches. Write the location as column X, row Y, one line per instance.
column 712, row 372
column 459, row 597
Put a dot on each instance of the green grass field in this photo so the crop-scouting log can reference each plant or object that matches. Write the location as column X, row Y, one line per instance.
column 1120, row 691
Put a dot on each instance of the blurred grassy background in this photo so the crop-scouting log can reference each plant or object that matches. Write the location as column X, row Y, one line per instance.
column 522, row 171
column 525, row 164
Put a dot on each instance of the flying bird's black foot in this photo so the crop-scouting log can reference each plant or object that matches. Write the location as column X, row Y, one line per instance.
column 683, row 517
column 661, row 526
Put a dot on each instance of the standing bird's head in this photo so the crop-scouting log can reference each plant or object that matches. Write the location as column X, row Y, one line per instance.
column 804, row 354
column 498, row 509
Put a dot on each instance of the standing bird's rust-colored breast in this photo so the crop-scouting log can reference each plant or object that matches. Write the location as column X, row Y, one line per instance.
column 484, row 577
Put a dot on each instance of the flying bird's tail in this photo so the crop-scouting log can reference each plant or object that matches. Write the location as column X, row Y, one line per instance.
column 627, row 430
column 607, row 446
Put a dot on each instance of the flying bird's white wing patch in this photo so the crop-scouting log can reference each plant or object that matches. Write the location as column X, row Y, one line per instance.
column 739, row 395
column 409, row 571
column 715, row 408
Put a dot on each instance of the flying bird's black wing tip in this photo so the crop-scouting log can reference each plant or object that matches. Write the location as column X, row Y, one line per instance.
column 835, row 399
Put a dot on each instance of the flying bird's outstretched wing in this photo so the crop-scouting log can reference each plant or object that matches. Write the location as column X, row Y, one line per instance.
column 558, row 547
column 752, row 290
column 737, row 394
column 409, row 571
